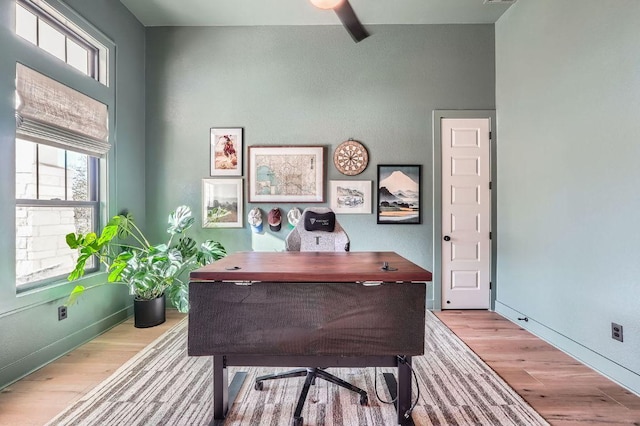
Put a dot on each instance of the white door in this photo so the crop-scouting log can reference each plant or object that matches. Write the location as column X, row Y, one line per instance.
column 466, row 213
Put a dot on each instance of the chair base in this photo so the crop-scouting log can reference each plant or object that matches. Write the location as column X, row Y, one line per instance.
column 311, row 374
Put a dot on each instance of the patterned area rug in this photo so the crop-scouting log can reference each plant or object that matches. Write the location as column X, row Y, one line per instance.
column 164, row 386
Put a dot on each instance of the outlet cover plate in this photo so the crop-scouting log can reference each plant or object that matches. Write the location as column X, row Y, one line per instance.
column 62, row 313
column 616, row 332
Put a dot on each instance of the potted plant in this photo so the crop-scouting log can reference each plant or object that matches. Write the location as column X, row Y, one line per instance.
column 152, row 272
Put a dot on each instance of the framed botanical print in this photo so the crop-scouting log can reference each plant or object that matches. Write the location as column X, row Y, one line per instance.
column 399, row 194
column 222, row 203
column 226, row 151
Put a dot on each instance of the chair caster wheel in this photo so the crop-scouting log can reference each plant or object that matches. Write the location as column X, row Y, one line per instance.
column 364, row 399
column 297, row 421
column 258, row 386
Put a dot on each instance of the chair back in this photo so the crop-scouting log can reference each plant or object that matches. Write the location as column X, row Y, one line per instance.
column 314, row 232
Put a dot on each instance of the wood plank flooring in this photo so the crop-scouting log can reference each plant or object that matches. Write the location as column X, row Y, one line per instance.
column 561, row 389
column 564, row 391
column 39, row 397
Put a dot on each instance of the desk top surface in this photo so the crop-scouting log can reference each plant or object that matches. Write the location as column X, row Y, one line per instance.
column 311, row 267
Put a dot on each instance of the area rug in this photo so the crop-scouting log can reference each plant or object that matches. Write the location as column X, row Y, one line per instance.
column 162, row 385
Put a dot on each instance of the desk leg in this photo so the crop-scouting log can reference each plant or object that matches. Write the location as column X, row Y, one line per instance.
column 404, row 392
column 400, row 391
column 220, row 388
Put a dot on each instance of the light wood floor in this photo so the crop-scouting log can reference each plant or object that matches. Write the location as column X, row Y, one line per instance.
column 561, row 389
column 39, row 397
column 564, row 391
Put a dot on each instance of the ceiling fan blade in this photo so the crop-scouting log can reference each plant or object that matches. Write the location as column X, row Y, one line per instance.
column 351, row 22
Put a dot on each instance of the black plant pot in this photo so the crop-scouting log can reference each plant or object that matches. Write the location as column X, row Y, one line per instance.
column 149, row 313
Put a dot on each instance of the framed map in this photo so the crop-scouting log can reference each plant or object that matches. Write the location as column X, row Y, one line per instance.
column 285, row 174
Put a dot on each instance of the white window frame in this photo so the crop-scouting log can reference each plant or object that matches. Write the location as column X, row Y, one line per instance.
column 98, row 70
column 92, row 203
column 98, row 53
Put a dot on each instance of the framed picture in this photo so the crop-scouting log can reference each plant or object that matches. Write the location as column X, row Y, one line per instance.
column 222, row 203
column 399, row 194
column 286, row 174
column 226, row 152
column 350, row 196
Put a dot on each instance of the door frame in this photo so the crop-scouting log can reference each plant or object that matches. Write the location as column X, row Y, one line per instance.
column 439, row 114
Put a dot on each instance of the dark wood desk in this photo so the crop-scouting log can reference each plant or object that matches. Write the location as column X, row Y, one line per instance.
column 301, row 309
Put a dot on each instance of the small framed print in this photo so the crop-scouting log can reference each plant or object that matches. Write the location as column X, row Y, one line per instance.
column 350, row 196
column 399, row 194
column 222, row 203
column 226, row 151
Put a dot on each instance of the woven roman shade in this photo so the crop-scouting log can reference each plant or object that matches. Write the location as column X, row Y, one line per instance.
column 51, row 113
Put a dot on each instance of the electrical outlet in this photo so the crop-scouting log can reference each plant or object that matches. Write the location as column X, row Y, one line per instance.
column 616, row 331
column 62, row 313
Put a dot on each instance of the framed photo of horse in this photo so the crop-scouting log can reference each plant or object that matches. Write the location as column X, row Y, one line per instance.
column 226, row 151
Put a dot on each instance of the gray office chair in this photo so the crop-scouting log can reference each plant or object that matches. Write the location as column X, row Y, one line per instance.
column 317, row 230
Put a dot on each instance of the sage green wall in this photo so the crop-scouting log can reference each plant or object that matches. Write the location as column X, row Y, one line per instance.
column 30, row 334
column 568, row 104
column 308, row 86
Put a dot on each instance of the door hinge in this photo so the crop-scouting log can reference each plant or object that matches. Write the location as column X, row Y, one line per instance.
column 490, row 185
column 490, row 236
column 490, row 285
column 490, row 135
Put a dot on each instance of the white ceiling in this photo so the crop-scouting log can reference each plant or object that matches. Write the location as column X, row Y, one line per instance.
column 300, row 12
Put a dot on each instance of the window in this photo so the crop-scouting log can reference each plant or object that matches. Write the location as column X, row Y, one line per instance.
column 62, row 137
column 40, row 24
column 56, row 192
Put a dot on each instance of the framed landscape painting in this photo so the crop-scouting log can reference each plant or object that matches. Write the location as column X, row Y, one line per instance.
column 226, row 152
column 222, row 203
column 399, row 194
column 350, row 196
column 286, row 174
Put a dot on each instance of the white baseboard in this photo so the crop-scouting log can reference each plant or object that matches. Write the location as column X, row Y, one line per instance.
column 608, row 368
column 27, row 365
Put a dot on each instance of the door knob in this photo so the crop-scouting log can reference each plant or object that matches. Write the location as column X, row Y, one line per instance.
column 447, row 238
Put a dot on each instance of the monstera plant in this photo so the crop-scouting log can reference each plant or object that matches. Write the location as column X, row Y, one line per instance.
column 150, row 271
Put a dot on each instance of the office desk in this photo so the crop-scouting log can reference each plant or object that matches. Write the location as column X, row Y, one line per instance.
column 304, row 309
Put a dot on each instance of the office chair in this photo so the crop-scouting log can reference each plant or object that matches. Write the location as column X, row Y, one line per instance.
column 317, row 230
